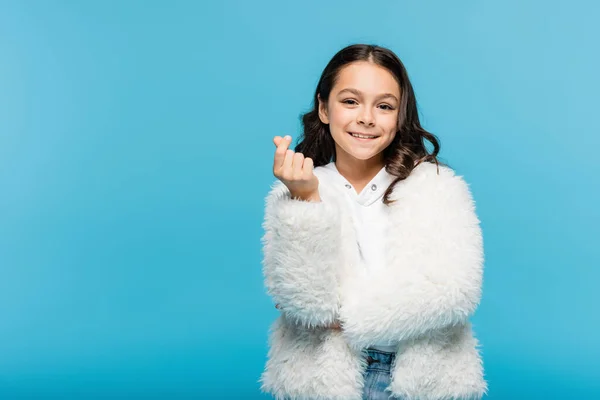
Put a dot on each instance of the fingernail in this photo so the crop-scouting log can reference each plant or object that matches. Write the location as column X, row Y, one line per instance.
column 287, row 137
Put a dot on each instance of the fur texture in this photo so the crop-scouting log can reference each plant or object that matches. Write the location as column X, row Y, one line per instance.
column 422, row 299
column 301, row 257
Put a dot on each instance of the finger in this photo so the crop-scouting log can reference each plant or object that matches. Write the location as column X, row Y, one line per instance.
column 277, row 139
column 307, row 168
column 286, row 169
column 280, row 153
column 297, row 163
column 280, row 140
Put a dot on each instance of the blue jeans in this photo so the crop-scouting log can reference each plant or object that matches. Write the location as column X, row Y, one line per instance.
column 377, row 376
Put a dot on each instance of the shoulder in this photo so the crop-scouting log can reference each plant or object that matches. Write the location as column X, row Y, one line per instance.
column 434, row 185
column 439, row 177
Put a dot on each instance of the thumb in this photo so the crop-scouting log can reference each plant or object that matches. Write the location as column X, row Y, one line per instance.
column 278, row 139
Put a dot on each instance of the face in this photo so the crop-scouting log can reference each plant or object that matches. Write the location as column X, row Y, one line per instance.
column 365, row 100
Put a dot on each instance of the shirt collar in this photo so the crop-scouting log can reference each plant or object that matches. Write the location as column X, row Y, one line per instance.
column 372, row 192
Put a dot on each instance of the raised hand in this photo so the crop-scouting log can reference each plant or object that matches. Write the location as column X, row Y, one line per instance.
column 295, row 171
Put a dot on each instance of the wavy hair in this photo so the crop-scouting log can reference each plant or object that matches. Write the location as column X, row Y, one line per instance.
column 406, row 151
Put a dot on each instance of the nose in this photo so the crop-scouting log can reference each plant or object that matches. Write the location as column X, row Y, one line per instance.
column 366, row 118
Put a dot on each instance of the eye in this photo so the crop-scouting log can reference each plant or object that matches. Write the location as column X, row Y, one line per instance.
column 389, row 108
column 347, row 100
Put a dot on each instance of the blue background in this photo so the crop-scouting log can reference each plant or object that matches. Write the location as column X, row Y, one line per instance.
column 135, row 154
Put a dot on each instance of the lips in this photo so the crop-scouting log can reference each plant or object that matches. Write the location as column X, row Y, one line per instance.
column 364, row 134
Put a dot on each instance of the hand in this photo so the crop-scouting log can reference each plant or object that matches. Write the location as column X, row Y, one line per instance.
column 335, row 325
column 295, row 171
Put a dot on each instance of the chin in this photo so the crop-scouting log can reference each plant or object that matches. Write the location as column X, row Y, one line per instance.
column 362, row 155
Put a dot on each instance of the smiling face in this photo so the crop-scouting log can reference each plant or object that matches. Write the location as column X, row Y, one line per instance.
column 364, row 101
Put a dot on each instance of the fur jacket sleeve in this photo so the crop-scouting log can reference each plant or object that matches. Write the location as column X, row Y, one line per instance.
column 300, row 257
column 435, row 254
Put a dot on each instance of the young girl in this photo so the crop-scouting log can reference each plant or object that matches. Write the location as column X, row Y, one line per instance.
column 372, row 249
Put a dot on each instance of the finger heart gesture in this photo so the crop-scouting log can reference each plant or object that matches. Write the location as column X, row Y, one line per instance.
column 295, row 171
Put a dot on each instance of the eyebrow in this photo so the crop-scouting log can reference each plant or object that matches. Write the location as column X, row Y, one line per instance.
column 358, row 93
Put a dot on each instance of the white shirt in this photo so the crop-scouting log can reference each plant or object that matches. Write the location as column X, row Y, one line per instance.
column 369, row 220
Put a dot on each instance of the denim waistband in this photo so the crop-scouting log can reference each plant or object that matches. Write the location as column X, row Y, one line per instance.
column 379, row 357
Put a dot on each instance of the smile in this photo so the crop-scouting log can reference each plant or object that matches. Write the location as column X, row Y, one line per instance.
column 362, row 137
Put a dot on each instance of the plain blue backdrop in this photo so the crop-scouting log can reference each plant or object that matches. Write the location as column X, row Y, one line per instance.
column 136, row 151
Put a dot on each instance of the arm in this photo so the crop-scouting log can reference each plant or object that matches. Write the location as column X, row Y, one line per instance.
column 436, row 277
column 300, row 257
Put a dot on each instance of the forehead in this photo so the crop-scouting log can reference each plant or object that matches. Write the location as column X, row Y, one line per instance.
column 367, row 77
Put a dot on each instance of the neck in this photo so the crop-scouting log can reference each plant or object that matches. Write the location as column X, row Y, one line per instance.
column 359, row 172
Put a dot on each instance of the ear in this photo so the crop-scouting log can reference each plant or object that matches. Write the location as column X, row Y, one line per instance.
column 322, row 110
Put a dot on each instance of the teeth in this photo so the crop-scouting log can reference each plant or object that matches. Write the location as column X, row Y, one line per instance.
column 362, row 136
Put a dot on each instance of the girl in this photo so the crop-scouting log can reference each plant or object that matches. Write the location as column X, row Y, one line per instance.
column 372, row 248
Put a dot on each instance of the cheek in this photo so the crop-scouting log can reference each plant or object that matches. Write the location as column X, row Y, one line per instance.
column 391, row 123
column 341, row 116
column 390, row 138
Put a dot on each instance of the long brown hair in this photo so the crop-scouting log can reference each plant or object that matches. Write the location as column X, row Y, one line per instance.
column 406, row 151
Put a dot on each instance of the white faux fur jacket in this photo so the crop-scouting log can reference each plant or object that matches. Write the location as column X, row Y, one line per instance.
column 423, row 298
